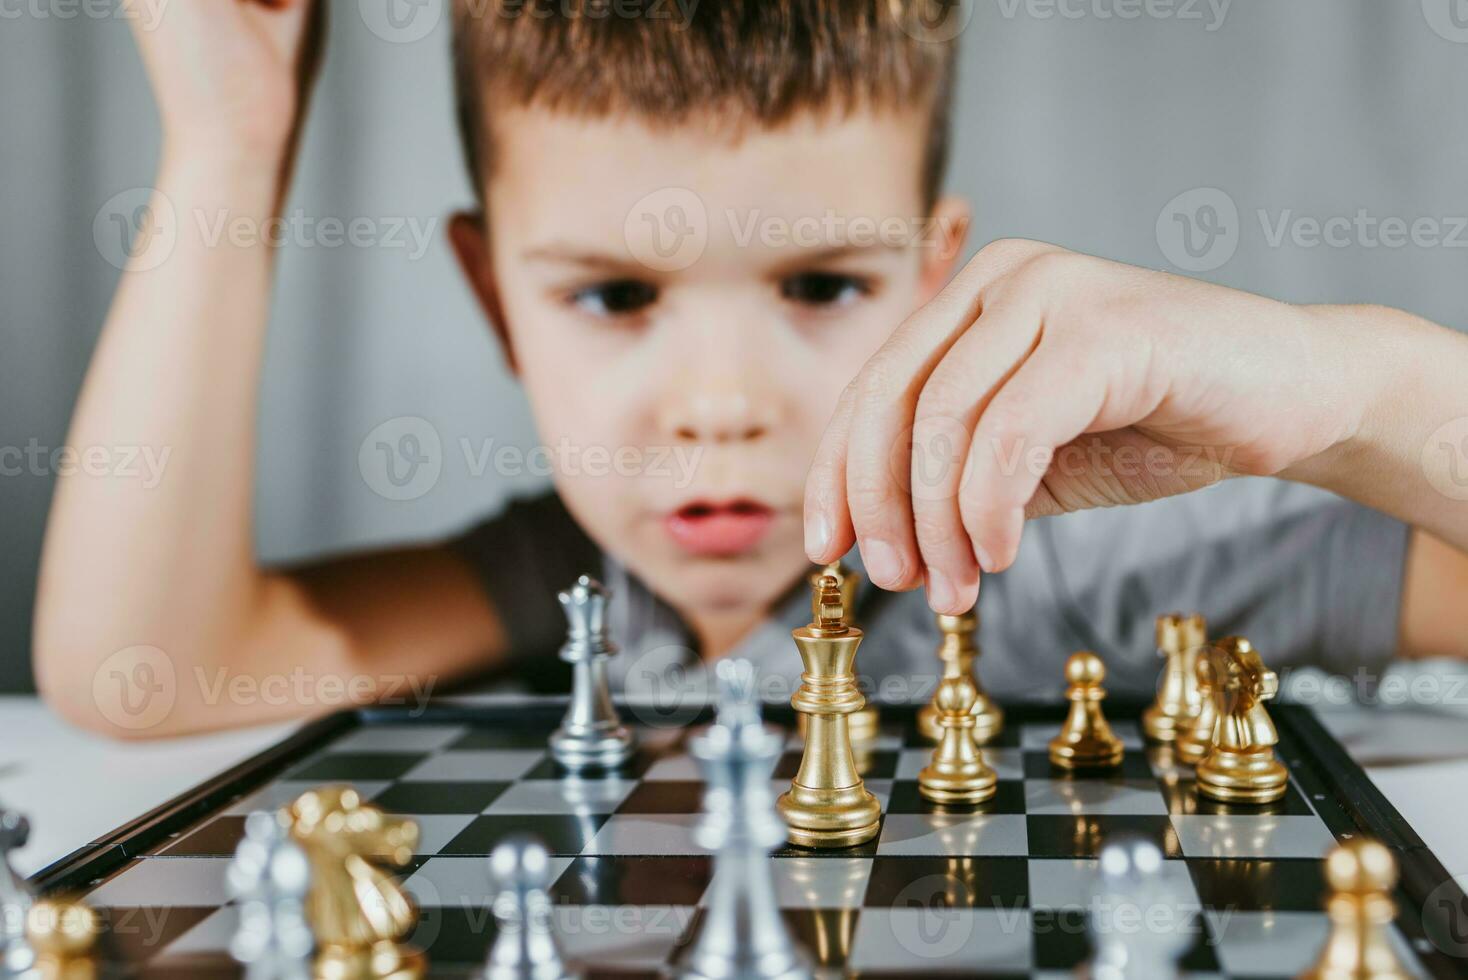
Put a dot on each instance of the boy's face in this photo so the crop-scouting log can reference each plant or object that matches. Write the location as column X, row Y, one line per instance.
column 685, row 307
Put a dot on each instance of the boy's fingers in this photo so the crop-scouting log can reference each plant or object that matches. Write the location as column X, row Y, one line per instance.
column 956, row 393
column 1048, row 402
column 828, row 531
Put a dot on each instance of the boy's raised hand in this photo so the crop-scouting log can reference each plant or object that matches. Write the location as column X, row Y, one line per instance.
column 1042, row 381
column 231, row 76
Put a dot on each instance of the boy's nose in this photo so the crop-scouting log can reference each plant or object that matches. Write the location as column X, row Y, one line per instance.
column 724, row 413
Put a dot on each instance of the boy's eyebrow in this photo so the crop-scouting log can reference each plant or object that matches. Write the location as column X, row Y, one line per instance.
column 566, row 254
column 808, row 257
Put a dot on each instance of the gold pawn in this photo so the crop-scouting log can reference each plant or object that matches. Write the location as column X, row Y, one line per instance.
column 1178, row 701
column 1085, row 741
column 958, row 651
column 827, row 804
column 957, row 772
column 63, row 934
column 1194, row 741
column 1240, row 766
column 1361, row 874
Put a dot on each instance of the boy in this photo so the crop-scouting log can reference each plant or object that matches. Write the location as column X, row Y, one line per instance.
column 1035, row 382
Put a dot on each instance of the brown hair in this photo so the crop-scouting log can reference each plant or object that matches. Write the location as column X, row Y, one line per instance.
column 751, row 61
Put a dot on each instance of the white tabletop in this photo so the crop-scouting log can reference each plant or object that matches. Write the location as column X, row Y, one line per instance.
column 76, row 787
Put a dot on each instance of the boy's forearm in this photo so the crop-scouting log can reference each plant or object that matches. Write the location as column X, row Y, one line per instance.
column 1409, row 457
column 165, row 559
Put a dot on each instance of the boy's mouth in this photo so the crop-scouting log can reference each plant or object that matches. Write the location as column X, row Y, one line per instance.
column 711, row 528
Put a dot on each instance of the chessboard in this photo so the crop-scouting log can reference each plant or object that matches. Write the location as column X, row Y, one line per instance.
column 1001, row 888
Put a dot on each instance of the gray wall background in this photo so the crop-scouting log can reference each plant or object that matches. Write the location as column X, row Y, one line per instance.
column 1079, row 122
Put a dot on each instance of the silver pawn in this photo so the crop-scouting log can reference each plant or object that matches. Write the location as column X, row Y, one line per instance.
column 1132, row 883
column 270, row 877
column 524, row 946
column 16, row 955
column 743, row 936
column 591, row 734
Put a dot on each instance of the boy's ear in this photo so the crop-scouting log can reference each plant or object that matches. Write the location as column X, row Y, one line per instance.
column 951, row 218
column 470, row 242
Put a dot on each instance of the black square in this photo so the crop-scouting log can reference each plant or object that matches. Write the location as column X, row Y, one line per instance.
column 962, row 882
column 561, row 833
column 1183, row 798
column 357, row 766
column 1009, row 797
column 1082, row 835
column 136, row 934
column 194, row 966
column 1252, row 885
column 788, row 765
column 664, row 796
column 1062, row 941
column 458, row 934
column 634, row 768
column 439, row 797
column 499, row 738
column 614, row 879
column 1134, row 765
column 217, row 838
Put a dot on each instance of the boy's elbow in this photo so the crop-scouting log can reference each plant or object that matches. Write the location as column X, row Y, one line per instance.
column 131, row 694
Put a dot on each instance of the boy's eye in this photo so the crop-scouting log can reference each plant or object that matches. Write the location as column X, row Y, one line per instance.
column 615, row 298
column 823, row 288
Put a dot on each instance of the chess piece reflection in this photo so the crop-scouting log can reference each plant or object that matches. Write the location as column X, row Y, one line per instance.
column 1240, row 766
column 359, row 911
column 1178, row 699
column 1085, row 741
column 1133, row 878
column 827, row 804
column 865, row 724
column 63, row 935
column 957, row 772
column 1361, row 875
column 832, row 889
column 591, row 734
column 959, row 651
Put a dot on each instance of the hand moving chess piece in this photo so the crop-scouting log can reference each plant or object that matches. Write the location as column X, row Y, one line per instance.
column 591, row 733
column 742, row 934
column 1361, row 874
column 269, row 880
column 524, row 945
column 959, row 652
column 1240, row 766
column 827, row 805
column 1178, row 699
column 359, row 911
column 957, row 772
column 16, row 899
column 1085, row 741
column 1131, row 942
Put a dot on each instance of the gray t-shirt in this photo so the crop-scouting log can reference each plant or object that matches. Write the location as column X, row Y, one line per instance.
column 1310, row 578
